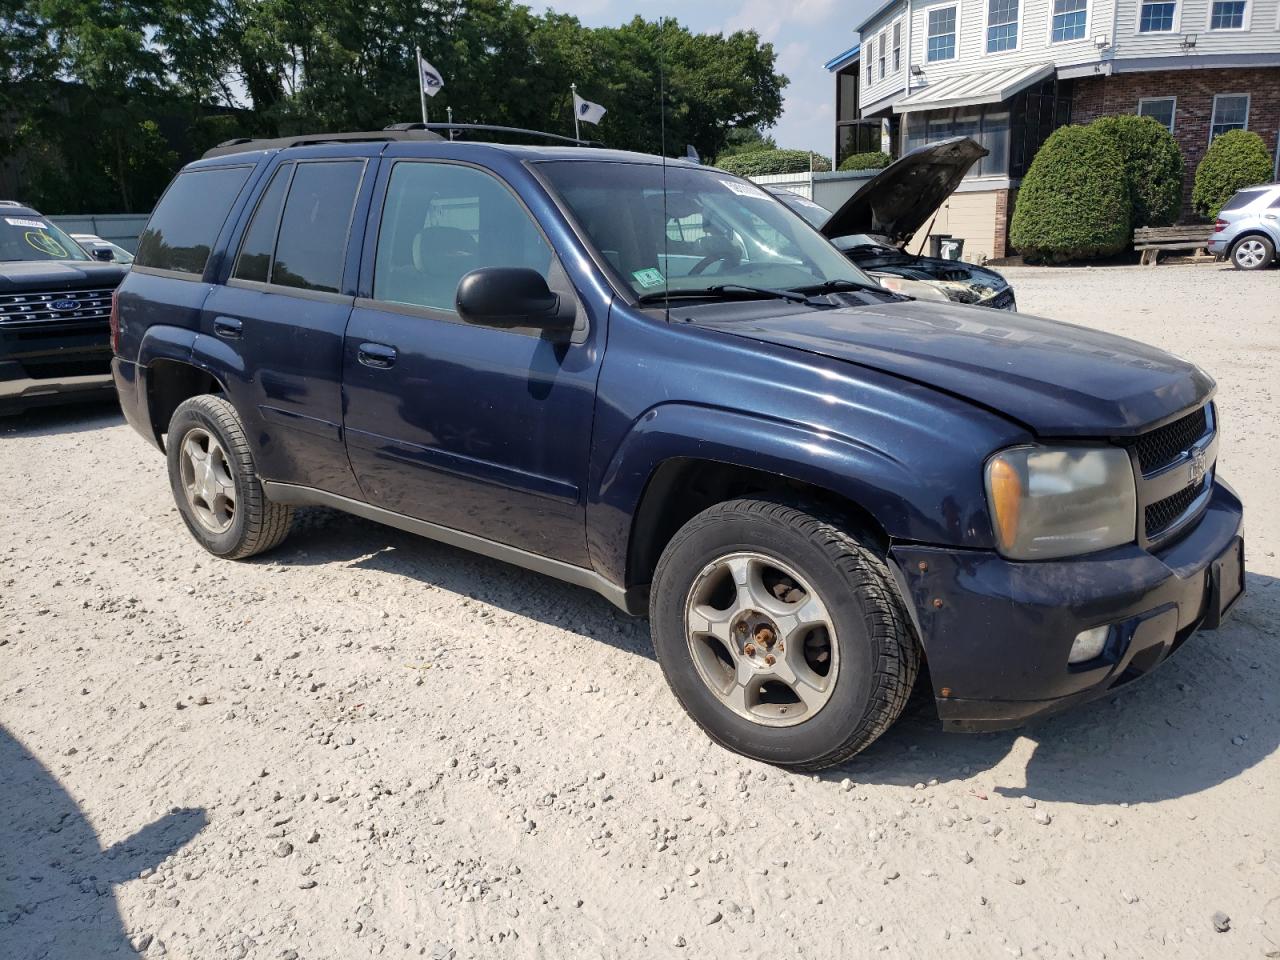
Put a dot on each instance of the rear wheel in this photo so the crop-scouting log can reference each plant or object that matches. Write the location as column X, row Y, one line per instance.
column 1253, row 253
column 216, row 485
column 781, row 633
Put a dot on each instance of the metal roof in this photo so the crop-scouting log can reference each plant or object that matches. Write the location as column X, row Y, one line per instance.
column 973, row 88
column 840, row 61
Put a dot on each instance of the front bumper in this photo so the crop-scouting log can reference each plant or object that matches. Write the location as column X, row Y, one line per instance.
column 997, row 633
column 18, row 391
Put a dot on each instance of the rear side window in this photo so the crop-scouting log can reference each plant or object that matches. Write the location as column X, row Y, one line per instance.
column 254, row 262
column 185, row 224
column 441, row 221
column 1241, row 200
column 312, row 246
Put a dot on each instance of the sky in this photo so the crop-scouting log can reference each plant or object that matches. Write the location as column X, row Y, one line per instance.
column 812, row 32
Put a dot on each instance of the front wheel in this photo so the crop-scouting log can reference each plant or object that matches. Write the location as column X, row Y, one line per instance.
column 781, row 633
column 1253, row 253
column 216, row 485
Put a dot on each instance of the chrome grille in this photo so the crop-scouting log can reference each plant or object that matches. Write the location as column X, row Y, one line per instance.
column 54, row 306
column 1175, row 464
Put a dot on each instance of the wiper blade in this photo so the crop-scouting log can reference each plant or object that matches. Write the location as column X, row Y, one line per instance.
column 722, row 291
column 832, row 286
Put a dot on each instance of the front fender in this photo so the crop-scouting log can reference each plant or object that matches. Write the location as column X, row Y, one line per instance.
column 879, row 479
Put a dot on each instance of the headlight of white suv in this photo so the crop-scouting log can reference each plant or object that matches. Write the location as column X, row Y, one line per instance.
column 1051, row 502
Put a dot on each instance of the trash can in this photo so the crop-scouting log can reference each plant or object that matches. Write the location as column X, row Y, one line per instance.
column 953, row 248
column 935, row 244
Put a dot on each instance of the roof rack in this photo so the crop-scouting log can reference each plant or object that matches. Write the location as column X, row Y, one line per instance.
column 395, row 132
column 244, row 144
column 492, row 128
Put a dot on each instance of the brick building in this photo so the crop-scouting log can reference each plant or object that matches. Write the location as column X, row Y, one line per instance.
column 1009, row 72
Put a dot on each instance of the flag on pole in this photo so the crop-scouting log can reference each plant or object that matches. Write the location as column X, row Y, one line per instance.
column 429, row 77
column 587, row 111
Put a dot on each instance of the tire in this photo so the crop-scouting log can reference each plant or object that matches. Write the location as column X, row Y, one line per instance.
column 1254, row 252
column 871, row 648
column 236, row 521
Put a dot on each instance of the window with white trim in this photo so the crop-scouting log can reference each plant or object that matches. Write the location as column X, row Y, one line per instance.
column 881, row 57
column 1160, row 109
column 1069, row 18
column 1230, row 112
column 1002, row 25
column 941, row 34
column 897, row 46
column 1157, row 16
column 1227, row 15
column 869, row 66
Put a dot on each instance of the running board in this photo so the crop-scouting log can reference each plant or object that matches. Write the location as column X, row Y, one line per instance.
column 630, row 601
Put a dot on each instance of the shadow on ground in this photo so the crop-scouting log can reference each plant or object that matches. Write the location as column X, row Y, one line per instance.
column 1165, row 736
column 57, row 883
column 78, row 417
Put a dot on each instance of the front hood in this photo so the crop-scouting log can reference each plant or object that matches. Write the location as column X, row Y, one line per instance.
column 38, row 276
column 897, row 201
column 1057, row 379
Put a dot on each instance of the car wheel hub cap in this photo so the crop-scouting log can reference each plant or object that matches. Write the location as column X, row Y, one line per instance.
column 761, row 639
column 1249, row 253
column 207, row 482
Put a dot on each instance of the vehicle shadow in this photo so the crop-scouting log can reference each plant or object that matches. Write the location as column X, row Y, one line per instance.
column 1168, row 735
column 57, row 897
column 79, row 417
column 1207, row 715
column 322, row 536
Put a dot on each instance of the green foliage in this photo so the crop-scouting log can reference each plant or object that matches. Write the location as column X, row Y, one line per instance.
column 866, row 161
column 1153, row 167
column 761, row 163
column 1234, row 160
column 82, row 76
column 1074, row 201
column 746, row 140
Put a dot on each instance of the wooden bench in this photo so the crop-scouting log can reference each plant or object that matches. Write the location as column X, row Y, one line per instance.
column 1152, row 240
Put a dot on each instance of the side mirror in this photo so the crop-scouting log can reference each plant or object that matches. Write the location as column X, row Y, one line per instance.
column 105, row 254
column 510, row 297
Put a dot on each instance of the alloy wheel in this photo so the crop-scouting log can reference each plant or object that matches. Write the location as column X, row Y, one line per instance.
column 207, row 480
column 761, row 639
column 1250, row 254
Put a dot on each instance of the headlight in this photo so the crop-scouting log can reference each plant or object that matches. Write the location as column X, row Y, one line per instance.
column 1061, row 501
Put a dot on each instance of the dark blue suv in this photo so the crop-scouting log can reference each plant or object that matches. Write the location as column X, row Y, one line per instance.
column 654, row 380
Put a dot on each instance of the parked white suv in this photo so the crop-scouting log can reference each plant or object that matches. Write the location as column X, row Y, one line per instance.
column 1248, row 228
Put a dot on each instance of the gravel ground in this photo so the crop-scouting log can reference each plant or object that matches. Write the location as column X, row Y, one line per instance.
column 369, row 744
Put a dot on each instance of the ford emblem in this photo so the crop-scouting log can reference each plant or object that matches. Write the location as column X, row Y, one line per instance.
column 65, row 304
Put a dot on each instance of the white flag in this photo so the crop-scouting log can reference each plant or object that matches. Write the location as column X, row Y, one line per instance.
column 429, row 77
column 586, row 110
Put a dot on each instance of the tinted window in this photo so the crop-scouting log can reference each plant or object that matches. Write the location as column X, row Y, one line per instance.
column 441, row 221
column 254, row 262
column 1241, row 200
column 186, row 222
column 313, row 231
column 26, row 236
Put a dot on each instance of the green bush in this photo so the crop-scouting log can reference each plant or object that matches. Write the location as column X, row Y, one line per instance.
column 761, row 163
column 1074, row 201
column 866, row 161
column 1153, row 167
column 1235, row 159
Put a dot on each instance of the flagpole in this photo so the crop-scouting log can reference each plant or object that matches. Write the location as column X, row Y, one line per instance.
column 577, row 134
column 422, row 93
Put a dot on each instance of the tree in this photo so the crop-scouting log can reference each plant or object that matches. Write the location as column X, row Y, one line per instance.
column 866, row 161
column 746, row 140
column 1074, row 201
column 1153, row 167
column 763, row 163
column 1234, row 160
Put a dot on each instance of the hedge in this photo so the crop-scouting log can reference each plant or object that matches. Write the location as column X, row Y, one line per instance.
column 865, row 161
column 1153, row 167
column 761, row 163
column 1074, row 202
column 1235, row 159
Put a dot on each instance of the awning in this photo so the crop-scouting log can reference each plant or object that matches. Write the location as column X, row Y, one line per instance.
column 973, row 88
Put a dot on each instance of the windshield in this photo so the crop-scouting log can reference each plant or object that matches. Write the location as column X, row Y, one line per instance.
column 815, row 213
column 30, row 237
column 713, row 230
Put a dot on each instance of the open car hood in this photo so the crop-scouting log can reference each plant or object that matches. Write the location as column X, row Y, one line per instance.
column 896, row 202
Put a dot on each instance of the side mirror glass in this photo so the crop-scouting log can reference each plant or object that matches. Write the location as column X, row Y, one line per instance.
column 105, row 254
column 511, row 297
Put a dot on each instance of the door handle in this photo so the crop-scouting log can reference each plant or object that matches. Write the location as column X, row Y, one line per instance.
column 376, row 355
column 228, row 328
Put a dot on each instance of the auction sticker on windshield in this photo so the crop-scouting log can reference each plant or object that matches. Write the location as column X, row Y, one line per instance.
column 649, row 277
column 19, row 222
column 745, row 189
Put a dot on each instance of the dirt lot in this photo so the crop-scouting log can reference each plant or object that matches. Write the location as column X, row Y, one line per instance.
column 368, row 744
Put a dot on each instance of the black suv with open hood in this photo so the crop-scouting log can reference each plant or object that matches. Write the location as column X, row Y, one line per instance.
column 873, row 227
column 55, row 305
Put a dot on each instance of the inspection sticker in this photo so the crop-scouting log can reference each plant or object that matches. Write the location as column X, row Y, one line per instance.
column 19, row 222
column 649, row 277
